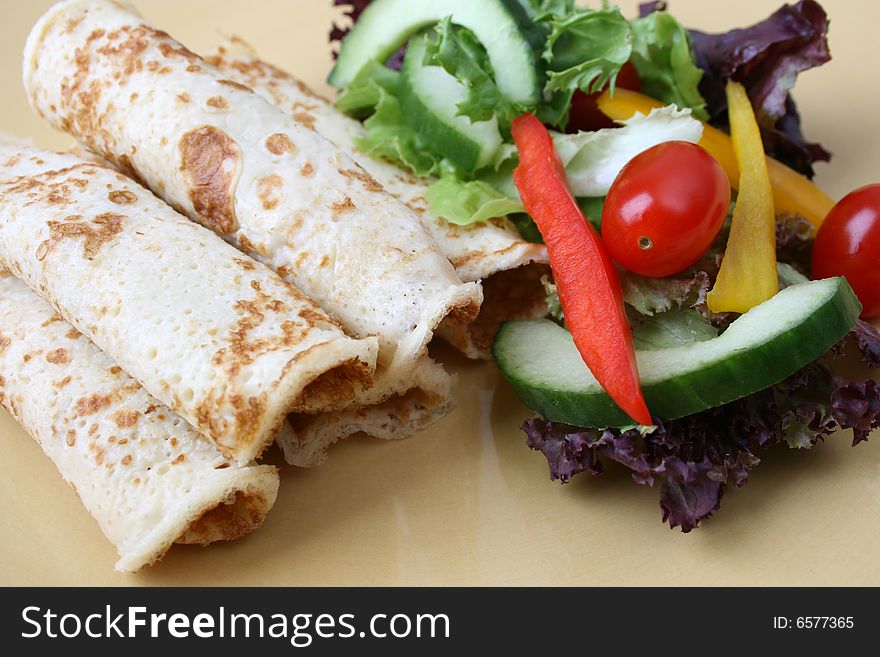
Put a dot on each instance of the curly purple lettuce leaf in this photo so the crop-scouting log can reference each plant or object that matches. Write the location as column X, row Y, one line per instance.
column 794, row 242
column 787, row 143
column 866, row 339
column 766, row 58
column 694, row 459
column 856, row 405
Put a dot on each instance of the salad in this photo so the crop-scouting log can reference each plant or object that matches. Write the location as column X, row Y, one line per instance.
column 702, row 286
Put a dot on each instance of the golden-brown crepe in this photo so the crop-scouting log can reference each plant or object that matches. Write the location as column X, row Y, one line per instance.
column 265, row 182
column 232, row 161
column 423, row 399
column 142, row 472
column 217, row 337
column 492, row 252
column 406, row 406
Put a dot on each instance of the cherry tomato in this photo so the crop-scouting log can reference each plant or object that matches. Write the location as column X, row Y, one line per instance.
column 585, row 114
column 848, row 245
column 665, row 208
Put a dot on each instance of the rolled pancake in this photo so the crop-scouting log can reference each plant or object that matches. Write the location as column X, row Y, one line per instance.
column 492, row 252
column 217, row 337
column 145, row 475
column 230, row 160
column 415, row 404
column 404, row 407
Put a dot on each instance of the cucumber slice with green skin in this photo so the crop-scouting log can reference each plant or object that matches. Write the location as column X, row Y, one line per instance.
column 502, row 26
column 429, row 98
column 761, row 348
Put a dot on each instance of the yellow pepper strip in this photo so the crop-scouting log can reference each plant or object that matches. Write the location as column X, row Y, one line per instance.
column 795, row 194
column 792, row 192
column 748, row 271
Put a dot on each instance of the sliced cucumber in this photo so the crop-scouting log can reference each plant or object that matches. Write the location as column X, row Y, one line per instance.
column 502, row 26
column 759, row 349
column 429, row 97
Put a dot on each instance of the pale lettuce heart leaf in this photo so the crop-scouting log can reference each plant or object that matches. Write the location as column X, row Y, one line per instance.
column 592, row 160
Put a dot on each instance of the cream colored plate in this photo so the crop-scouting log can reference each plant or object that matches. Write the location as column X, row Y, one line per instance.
column 467, row 502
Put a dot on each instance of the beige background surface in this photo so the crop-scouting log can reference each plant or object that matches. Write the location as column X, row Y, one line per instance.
column 467, row 502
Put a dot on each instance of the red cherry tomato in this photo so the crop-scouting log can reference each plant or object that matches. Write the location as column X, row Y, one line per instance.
column 848, row 245
column 585, row 114
column 665, row 208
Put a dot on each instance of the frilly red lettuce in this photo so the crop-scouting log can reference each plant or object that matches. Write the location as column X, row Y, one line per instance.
column 866, row 339
column 694, row 459
column 794, row 242
column 856, row 405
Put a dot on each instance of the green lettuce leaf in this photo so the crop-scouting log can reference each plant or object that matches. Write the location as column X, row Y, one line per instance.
column 673, row 326
column 655, row 296
column 360, row 98
column 543, row 9
column 461, row 54
column 592, row 207
column 584, row 50
column 374, row 94
column 664, row 59
column 389, row 137
column 467, row 202
column 672, row 329
column 527, row 228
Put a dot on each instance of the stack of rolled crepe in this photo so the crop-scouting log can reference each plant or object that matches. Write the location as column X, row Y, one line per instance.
column 217, row 337
column 162, row 360
column 178, row 327
column 492, row 252
column 228, row 159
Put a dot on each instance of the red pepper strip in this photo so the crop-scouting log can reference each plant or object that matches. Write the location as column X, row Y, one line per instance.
column 587, row 281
